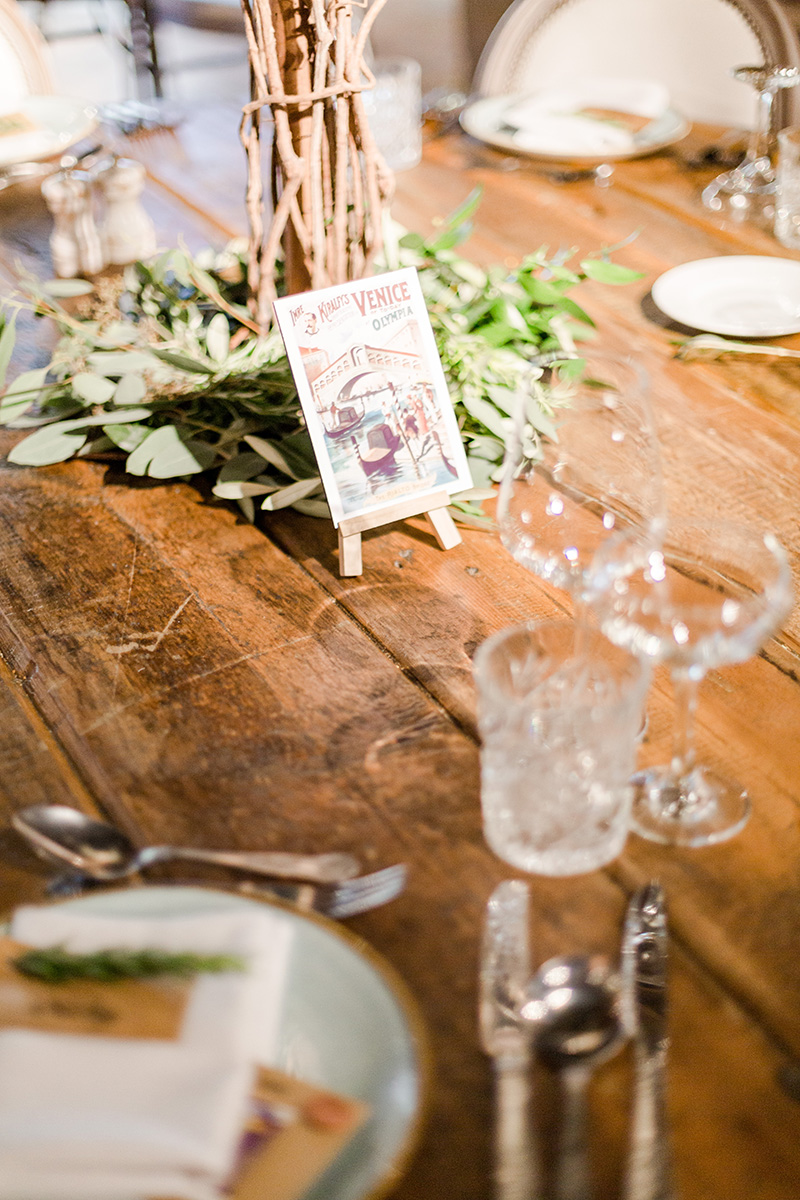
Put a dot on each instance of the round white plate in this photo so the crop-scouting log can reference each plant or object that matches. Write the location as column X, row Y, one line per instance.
column 58, row 123
column 348, row 1024
column 486, row 120
column 739, row 295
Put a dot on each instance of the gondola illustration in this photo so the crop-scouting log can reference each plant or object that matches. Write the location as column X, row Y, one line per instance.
column 340, row 421
column 380, row 450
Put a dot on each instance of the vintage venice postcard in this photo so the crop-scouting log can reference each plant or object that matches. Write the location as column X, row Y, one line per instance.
column 373, row 393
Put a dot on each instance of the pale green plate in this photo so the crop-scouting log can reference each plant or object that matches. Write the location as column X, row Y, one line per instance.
column 349, row 1025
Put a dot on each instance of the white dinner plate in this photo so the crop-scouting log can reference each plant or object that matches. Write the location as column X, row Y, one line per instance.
column 739, row 295
column 55, row 123
column 348, row 1024
column 487, row 120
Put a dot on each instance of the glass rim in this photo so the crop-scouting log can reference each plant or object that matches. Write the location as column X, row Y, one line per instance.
column 637, row 668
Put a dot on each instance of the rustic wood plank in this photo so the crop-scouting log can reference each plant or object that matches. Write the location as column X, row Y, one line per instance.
column 178, row 689
column 33, row 770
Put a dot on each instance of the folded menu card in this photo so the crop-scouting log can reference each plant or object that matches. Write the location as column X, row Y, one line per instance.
column 293, row 1133
column 158, row 1111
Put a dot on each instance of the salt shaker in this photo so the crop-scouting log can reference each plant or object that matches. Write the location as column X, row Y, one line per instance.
column 128, row 233
column 74, row 243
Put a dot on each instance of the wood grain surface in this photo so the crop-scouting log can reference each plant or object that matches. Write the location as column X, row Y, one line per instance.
column 201, row 681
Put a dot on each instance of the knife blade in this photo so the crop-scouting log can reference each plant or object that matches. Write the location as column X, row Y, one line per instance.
column 504, row 976
column 644, row 967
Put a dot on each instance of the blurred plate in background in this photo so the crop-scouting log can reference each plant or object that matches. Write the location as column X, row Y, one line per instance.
column 37, row 127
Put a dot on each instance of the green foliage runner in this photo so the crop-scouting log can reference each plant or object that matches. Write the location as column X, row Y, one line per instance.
column 175, row 379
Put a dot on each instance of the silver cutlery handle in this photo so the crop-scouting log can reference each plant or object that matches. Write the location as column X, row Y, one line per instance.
column 516, row 1176
column 312, row 868
column 649, row 1169
column 572, row 1171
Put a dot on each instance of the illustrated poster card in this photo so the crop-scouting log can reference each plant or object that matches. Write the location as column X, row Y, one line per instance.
column 373, row 392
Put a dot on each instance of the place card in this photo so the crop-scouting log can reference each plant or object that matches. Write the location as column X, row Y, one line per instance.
column 129, row 1008
column 376, row 404
column 294, row 1133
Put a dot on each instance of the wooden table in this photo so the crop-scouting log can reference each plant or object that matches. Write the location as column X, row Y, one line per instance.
column 202, row 681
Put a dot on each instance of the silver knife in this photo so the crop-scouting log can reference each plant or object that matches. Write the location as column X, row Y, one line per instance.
column 505, row 973
column 644, row 965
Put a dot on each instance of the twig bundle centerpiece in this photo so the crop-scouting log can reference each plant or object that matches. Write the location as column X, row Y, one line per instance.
column 330, row 184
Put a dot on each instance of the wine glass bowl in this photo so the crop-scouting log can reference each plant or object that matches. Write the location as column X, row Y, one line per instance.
column 711, row 595
column 566, row 490
column 747, row 191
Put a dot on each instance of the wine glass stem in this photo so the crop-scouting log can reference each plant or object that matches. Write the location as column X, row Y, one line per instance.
column 760, row 142
column 686, row 688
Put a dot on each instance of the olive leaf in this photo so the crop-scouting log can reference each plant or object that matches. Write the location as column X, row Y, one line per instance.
column 130, row 390
column 183, row 362
column 313, row 508
column 271, row 454
column 127, row 437
column 98, row 445
column 20, row 394
column 7, row 341
column 165, row 453
column 65, row 288
column 608, row 272
column 218, row 337
column 94, row 389
column 51, row 444
column 487, row 415
column 242, row 466
column 238, row 489
column 291, row 494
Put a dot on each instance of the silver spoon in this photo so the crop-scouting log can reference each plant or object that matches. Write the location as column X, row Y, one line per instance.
column 574, row 1006
column 105, row 853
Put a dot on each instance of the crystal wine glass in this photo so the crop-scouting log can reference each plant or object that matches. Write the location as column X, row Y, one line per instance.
column 596, row 472
column 711, row 596
column 747, row 190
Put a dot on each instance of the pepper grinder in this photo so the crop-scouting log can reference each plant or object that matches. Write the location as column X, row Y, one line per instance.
column 128, row 234
column 74, row 243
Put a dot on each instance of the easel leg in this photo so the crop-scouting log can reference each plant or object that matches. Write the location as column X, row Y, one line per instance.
column 444, row 528
column 349, row 553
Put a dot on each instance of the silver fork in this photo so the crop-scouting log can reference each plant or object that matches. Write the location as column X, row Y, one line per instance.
column 338, row 900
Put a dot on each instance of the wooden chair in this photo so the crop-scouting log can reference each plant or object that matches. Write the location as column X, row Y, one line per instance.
column 216, row 16
column 689, row 45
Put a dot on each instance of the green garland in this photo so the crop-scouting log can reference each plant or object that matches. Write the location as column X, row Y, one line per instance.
column 171, row 375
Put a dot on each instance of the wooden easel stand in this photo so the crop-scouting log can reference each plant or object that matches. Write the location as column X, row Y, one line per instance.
column 351, row 528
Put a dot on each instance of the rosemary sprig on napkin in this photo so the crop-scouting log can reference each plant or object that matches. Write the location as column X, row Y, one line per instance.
column 54, row 964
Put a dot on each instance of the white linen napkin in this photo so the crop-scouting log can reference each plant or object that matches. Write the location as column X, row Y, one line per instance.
column 92, row 1118
column 549, row 122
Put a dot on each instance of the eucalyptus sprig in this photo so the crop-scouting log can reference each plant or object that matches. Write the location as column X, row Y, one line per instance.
column 172, row 375
column 54, row 964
